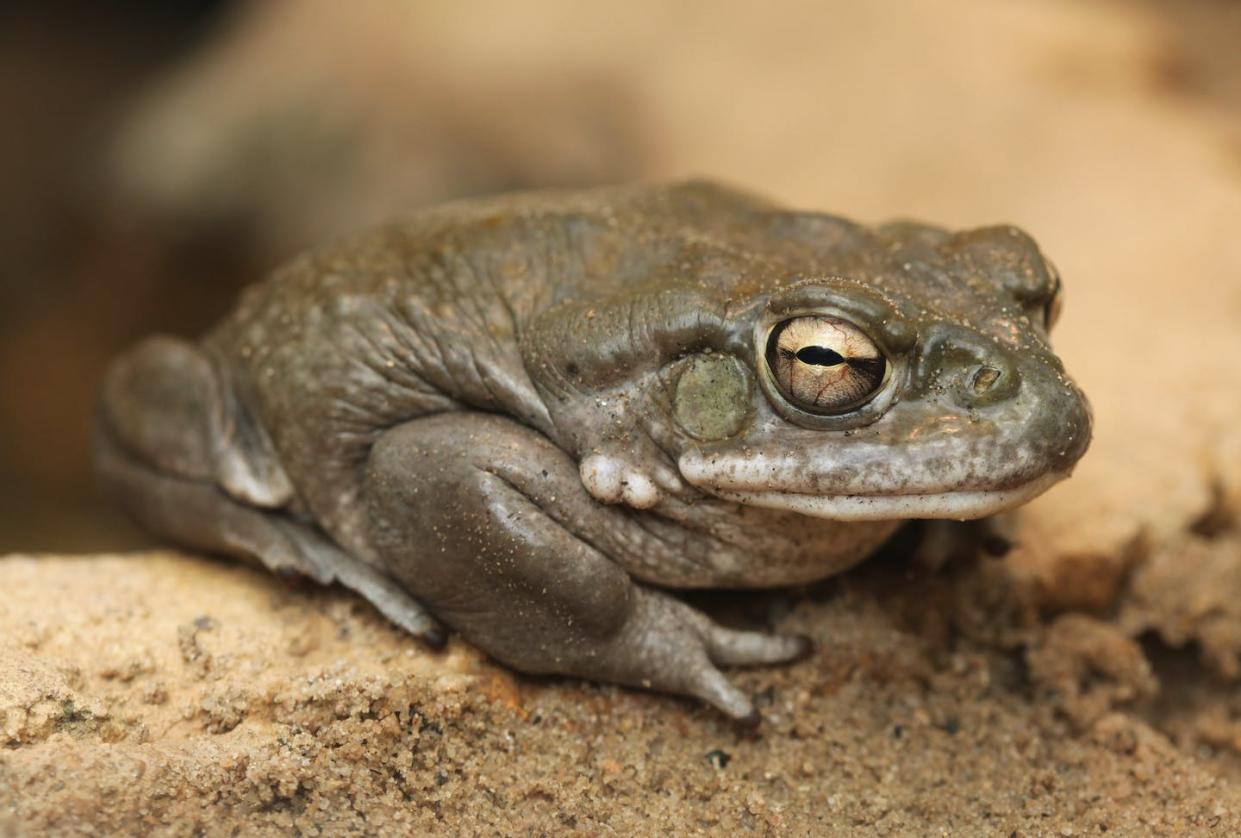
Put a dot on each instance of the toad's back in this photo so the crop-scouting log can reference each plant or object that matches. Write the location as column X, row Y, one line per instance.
column 281, row 404
column 426, row 317
column 340, row 345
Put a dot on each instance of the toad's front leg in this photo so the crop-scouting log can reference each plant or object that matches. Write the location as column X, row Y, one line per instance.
column 488, row 523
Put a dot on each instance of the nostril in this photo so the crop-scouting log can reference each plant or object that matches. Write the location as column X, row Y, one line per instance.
column 984, row 378
column 989, row 381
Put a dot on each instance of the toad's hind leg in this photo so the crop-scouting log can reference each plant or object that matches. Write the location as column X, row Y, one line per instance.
column 488, row 523
column 154, row 453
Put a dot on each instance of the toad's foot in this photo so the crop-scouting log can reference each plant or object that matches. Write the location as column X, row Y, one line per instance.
column 669, row 646
column 611, row 477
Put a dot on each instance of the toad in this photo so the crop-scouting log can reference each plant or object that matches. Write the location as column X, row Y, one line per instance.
column 532, row 418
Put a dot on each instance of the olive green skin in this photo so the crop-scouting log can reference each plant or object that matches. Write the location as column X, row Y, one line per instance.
column 528, row 415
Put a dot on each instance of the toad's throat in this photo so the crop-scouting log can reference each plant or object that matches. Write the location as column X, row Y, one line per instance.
column 958, row 505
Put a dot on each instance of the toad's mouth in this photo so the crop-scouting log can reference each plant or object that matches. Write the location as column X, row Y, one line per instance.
column 956, row 505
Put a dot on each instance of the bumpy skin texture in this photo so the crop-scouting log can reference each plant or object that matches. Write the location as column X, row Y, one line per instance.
column 529, row 416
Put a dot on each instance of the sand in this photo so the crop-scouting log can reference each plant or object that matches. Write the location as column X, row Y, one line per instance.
column 197, row 697
column 1086, row 682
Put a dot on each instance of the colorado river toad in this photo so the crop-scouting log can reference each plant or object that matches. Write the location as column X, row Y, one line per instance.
column 530, row 417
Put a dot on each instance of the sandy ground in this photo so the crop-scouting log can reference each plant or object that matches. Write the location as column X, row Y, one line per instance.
column 1086, row 682
column 201, row 698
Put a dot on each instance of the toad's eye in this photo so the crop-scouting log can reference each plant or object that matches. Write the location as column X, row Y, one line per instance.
column 824, row 365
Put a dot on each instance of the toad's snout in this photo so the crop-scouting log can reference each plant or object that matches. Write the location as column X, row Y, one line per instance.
column 967, row 368
column 1041, row 415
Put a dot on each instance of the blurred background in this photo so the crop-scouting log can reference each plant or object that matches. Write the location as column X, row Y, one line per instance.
column 159, row 155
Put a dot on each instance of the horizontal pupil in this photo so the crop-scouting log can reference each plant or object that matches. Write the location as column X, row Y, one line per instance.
column 819, row 355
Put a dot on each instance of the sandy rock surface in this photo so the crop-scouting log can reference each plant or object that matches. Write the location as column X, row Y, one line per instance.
column 173, row 693
column 1087, row 680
